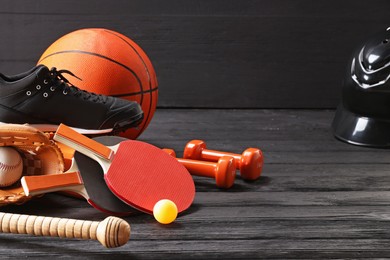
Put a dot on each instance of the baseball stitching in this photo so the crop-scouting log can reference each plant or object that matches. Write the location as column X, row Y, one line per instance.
column 6, row 167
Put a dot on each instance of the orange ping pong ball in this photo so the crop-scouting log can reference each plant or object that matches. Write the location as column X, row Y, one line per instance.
column 165, row 211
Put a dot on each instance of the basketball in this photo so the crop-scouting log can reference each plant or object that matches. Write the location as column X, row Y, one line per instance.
column 108, row 63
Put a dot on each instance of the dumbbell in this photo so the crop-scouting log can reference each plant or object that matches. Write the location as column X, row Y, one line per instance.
column 250, row 162
column 223, row 171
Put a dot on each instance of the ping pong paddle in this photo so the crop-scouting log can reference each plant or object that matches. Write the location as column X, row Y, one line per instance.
column 85, row 178
column 138, row 173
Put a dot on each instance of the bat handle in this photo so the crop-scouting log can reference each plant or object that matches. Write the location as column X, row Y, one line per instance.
column 111, row 232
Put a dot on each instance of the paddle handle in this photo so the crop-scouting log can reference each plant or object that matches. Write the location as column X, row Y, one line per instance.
column 39, row 184
column 111, row 232
column 81, row 143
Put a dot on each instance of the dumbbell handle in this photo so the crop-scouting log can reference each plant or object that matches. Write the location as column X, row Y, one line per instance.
column 199, row 168
column 111, row 232
column 212, row 155
column 195, row 167
column 223, row 171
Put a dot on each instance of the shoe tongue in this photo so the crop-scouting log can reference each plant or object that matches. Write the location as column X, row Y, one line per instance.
column 38, row 73
column 41, row 71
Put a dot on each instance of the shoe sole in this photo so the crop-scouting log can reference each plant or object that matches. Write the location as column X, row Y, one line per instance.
column 118, row 127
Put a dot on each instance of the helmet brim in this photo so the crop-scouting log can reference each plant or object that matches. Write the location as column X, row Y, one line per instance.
column 358, row 130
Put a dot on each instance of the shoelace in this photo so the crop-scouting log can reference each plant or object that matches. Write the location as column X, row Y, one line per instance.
column 63, row 83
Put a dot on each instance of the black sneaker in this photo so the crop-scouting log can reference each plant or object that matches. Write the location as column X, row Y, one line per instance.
column 44, row 98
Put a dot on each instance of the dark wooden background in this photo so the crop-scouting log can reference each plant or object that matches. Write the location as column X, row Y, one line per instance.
column 212, row 53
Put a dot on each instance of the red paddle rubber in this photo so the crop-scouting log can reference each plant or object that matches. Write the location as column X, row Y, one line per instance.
column 250, row 162
column 143, row 174
column 223, row 171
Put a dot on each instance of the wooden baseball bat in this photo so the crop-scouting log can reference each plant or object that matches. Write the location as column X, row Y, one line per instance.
column 111, row 232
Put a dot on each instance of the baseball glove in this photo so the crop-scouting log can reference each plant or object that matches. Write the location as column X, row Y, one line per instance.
column 40, row 156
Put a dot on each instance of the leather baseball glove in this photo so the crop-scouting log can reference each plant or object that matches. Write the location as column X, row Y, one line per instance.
column 40, row 156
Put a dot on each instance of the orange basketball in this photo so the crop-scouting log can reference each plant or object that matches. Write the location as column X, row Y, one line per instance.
column 107, row 63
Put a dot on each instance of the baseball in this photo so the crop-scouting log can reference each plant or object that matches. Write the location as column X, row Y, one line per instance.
column 11, row 166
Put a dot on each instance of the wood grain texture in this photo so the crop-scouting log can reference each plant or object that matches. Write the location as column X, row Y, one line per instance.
column 226, row 54
column 317, row 198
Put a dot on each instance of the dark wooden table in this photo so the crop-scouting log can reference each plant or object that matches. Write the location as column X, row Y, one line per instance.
column 317, row 197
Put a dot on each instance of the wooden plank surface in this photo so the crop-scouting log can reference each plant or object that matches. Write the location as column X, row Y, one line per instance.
column 317, row 197
column 221, row 53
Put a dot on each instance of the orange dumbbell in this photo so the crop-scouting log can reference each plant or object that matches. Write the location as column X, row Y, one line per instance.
column 250, row 162
column 223, row 171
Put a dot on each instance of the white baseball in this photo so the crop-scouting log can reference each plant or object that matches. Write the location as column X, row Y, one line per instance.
column 11, row 166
